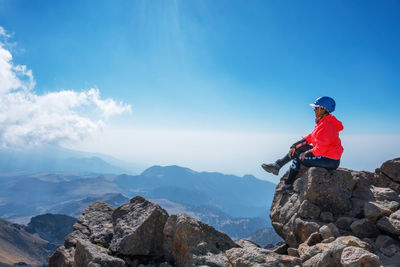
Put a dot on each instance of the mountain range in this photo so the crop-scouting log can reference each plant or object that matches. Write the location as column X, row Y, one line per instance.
column 61, row 181
column 53, row 158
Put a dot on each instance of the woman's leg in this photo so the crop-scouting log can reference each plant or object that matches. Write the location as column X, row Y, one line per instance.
column 295, row 167
column 322, row 162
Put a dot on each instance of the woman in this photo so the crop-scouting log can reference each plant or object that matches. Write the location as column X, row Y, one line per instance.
column 321, row 148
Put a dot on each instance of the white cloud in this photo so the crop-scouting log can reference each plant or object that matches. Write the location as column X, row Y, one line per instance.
column 27, row 118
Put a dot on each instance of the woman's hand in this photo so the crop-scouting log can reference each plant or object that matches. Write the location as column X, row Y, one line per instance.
column 303, row 155
column 291, row 152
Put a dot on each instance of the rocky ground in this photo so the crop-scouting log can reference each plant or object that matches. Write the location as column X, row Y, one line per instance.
column 331, row 218
column 341, row 217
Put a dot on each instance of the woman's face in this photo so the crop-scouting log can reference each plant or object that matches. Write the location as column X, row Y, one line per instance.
column 321, row 113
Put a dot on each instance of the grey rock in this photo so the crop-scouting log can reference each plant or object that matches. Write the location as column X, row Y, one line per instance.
column 384, row 241
column 329, row 257
column 328, row 231
column 239, row 257
column 303, row 229
column 247, row 243
column 374, row 211
column 313, row 239
column 364, row 228
column 385, row 194
column 344, row 223
column 354, row 241
column 88, row 254
column 308, row 210
column 62, row 257
column 95, row 224
column 354, row 257
column 191, row 242
column 328, row 240
column 387, row 252
column 293, row 252
column 391, row 168
column 282, row 249
column 306, row 252
column 391, row 205
column 326, row 216
column 331, row 190
column 388, row 225
column 138, row 228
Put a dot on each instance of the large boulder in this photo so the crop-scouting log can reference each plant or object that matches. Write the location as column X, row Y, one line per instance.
column 62, row 257
column 89, row 254
column 138, row 228
column 391, row 169
column 357, row 257
column 95, row 225
column 326, row 206
column 256, row 256
column 191, row 242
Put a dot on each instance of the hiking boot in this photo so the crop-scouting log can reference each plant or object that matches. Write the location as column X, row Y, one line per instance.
column 271, row 168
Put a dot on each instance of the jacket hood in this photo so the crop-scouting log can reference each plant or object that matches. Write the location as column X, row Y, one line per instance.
column 332, row 119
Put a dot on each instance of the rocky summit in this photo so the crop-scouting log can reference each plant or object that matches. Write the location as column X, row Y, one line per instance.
column 341, row 217
column 141, row 233
column 330, row 218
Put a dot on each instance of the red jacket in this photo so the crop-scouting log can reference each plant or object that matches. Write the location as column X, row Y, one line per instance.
column 325, row 138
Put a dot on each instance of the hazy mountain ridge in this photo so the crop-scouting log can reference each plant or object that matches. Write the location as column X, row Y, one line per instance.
column 230, row 203
column 53, row 158
column 238, row 196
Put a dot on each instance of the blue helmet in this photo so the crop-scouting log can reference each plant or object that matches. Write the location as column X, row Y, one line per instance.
column 325, row 102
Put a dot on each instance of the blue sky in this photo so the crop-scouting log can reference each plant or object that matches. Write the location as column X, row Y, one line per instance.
column 218, row 66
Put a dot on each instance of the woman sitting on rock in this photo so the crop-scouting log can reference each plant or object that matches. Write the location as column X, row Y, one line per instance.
column 326, row 148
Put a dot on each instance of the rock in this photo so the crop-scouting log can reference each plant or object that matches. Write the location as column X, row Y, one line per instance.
column 384, row 241
column 391, row 168
column 345, row 222
column 308, row 210
column 388, row 225
column 326, row 216
column 239, row 257
column 313, row 239
column 387, row 252
column 247, row 243
column 328, row 257
column 385, row 194
column 138, row 228
column 364, row 228
column 306, row 252
column 293, row 252
column 391, row 205
column 283, row 214
column 303, row 229
column 282, row 249
column 328, row 240
column 328, row 231
column 95, row 224
column 331, row 190
column 358, row 257
column 62, row 257
column 295, row 216
column 354, row 241
column 395, row 215
column 88, row 254
column 374, row 211
column 187, row 240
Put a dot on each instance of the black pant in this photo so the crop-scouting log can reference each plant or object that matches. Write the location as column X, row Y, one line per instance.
column 310, row 161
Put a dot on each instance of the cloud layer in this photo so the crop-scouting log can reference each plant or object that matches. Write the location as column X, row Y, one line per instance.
column 27, row 118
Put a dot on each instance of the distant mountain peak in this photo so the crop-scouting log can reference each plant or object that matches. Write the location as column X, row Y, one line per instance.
column 162, row 170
